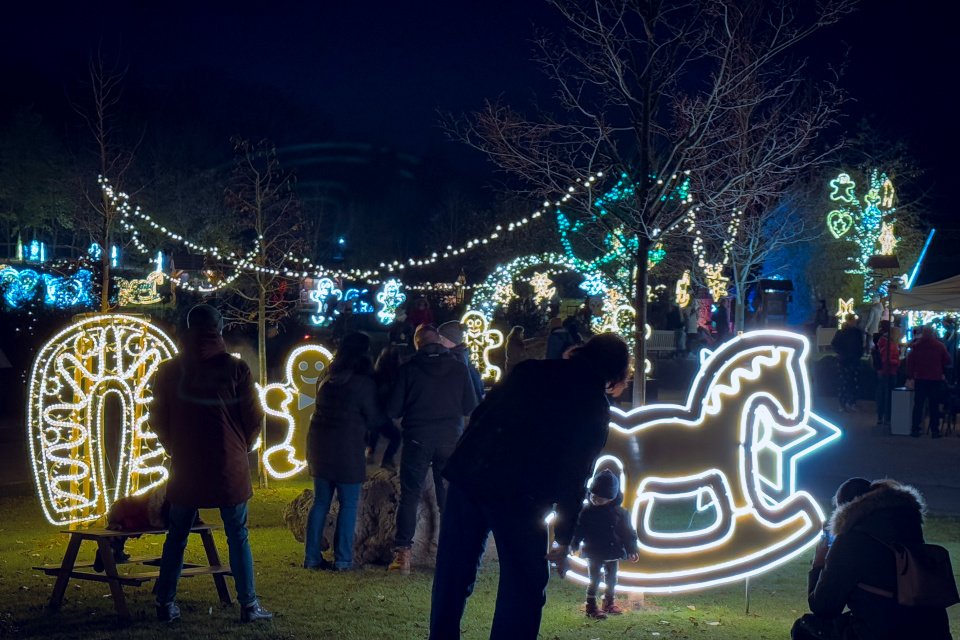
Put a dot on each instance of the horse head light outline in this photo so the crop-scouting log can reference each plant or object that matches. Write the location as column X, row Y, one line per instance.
column 729, row 455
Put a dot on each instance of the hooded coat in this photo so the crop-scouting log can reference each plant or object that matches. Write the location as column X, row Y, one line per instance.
column 346, row 410
column 432, row 395
column 605, row 531
column 207, row 415
column 891, row 512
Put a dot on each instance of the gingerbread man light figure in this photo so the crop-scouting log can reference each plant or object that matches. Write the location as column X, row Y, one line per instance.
column 479, row 341
column 292, row 402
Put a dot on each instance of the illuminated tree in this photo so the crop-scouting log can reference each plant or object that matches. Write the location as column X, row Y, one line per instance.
column 268, row 227
column 646, row 90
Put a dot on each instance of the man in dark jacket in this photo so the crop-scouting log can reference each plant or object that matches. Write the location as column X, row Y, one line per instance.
column 559, row 340
column 206, row 413
column 926, row 361
column 867, row 516
column 518, row 431
column 848, row 345
column 432, row 395
column 451, row 337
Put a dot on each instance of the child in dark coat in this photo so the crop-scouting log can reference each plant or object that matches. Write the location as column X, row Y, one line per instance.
column 606, row 533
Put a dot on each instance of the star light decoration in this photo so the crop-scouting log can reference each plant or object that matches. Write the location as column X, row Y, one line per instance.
column 543, row 289
column 480, row 340
column 73, row 375
column 728, row 456
column 845, row 307
column 391, row 297
column 292, row 402
column 716, row 281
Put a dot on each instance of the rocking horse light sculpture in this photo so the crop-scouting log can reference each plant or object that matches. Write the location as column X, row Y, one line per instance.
column 729, row 457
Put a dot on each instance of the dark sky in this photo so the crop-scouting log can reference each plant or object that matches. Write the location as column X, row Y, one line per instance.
column 378, row 71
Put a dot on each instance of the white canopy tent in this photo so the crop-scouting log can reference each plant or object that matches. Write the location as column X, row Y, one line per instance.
column 937, row 296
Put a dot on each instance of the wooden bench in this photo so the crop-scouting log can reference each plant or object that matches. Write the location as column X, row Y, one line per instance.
column 83, row 571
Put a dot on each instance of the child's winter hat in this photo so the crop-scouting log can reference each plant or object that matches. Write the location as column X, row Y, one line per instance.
column 605, row 485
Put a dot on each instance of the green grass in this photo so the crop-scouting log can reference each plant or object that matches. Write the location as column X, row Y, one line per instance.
column 364, row 604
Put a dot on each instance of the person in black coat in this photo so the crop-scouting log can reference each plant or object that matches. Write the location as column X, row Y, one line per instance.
column 848, row 345
column 388, row 368
column 346, row 409
column 519, row 426
column 867, row 516
column 432, row 395
column 606, row 533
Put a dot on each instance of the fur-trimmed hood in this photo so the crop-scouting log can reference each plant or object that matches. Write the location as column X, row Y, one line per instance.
column 883, row 495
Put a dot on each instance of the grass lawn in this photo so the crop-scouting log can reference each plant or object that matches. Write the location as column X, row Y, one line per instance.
column 363, row 604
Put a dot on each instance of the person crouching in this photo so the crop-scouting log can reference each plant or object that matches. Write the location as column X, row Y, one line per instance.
column 606, row 533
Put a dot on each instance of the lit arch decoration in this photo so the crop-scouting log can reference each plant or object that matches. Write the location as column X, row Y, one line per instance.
column 730, row 453
column 292, row 402
column 72, row 376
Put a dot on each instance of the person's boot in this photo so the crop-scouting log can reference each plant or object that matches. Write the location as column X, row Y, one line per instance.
column 168, row 612
column 401, row 561
column 610, row 606
column 253, row 612
column 593, row 611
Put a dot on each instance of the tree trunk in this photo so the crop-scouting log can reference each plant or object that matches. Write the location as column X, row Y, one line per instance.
column 640, row 304
column 105, row 254
column 738, row 316
column 262, row 375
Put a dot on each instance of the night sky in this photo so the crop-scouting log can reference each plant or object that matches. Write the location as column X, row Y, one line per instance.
column 377, row 72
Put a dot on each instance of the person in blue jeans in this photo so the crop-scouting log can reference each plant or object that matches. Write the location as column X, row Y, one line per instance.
column 207, row 416
column 346, row 410
column 523, row 455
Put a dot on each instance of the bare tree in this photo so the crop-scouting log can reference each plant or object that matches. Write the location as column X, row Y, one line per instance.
column 269, row 226
column 645, row 88
column 101, row 116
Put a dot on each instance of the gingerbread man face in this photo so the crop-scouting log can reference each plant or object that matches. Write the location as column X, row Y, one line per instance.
column 480, row 341
column 292, row 402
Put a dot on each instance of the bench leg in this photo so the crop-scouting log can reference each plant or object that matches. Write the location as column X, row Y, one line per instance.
column 113, row 577
column 66, row 568
column 213, row 559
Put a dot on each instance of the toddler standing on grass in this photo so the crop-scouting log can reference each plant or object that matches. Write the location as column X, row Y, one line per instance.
column 606, row 533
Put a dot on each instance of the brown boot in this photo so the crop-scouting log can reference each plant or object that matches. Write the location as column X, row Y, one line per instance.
column 401, row 561
column 610, row 606
column 593, row 611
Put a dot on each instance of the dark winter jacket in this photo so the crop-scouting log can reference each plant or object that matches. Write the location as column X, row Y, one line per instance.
column 605, row 531
column 521, row 428
column 432, row 395
column 461, row 353
column 558, row 342
column 336, row 443
column 892, row 513
column 848, row 343
column 927, row 358
column 207, row 415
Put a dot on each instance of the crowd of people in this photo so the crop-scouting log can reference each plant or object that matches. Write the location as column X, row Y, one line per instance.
column 207, row 416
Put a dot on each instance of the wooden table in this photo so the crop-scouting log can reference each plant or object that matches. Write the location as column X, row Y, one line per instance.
column 83, row 571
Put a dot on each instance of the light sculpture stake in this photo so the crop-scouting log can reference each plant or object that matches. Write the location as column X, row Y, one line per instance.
column 479, row 341
column 72, row 377
column 292, row 401
column 729, row 455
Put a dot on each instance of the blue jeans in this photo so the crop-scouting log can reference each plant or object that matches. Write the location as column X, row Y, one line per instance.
column 241, row 560
column 521, row 538
column 348, row 496
column 594, row 569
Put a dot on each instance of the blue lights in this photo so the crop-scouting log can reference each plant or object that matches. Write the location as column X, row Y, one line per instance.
column 61, row 292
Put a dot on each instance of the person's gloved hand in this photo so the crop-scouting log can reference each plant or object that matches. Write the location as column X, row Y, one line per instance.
column 558, row 556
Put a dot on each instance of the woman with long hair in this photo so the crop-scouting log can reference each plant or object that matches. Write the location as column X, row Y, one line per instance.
column 346, row 408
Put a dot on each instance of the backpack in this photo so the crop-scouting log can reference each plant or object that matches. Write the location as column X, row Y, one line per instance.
column 924, row 576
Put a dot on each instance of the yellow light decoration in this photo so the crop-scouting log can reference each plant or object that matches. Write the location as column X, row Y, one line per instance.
column 730, row 456
column 140, row 292
column 542, row 288
column 292, row 401
column 74, row 374
column 683, row 290
column 716, row 281
column 887, row 240
column 479, row 341
column 844, row 307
